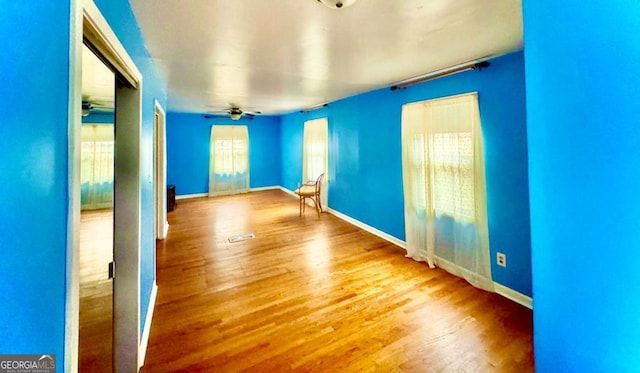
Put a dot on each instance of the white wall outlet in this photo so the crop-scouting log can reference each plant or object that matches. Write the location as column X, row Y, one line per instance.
column 501, row 259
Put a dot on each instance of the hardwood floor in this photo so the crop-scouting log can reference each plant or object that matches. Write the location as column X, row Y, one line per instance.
column 316, row 294
column 96, row 292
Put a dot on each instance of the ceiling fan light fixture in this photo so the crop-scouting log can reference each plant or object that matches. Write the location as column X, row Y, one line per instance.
column 85, row 112
column 235, row 116
column 337, row 4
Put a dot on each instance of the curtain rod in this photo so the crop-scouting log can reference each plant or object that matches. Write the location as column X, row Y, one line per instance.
column 311, row 108
column 474, row 65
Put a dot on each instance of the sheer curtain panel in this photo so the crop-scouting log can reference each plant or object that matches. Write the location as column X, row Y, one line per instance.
column 96, row 166
column 229, row 160
column 444, row 187
column 315, row 157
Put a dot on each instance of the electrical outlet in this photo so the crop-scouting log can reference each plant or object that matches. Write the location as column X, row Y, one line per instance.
column 501, row 259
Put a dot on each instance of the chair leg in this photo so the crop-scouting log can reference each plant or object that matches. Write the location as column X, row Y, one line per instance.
column 300, row 206
column 317, row 203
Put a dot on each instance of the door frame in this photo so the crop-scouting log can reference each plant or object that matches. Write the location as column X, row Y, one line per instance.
column 160, row 171
column 87, row 22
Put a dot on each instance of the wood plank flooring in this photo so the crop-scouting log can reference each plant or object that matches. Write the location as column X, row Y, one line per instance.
column 316, row 294
column 96, row 291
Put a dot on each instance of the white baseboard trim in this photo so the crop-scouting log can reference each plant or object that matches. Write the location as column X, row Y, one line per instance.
column 166, row 229
column 462, row 272
column 195, row 195
column 368, row 228
column 144, row 340
column 260, row 189
column 513, row 295
column 499, row 289
column 290, row 192
column 200, row 195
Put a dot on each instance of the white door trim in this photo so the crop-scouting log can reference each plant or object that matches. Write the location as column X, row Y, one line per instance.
column 72, row 300
column 160, row 171
column 97, row 30
column 86, row 21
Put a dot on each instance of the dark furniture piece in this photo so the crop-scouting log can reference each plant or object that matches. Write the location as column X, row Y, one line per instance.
column 171, row 197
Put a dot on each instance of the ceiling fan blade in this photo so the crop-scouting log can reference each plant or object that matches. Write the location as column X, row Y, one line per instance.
column 102, row 106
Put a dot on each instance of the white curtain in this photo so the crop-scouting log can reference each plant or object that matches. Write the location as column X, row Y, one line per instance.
column 444, row 187
column 96, row 166
column 315, row 158
column 229, row 160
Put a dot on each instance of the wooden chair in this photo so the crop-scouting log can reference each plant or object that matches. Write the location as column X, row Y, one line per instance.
column 311, row 189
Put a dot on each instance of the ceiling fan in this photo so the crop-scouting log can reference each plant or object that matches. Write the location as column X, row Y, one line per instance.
column 234, row 112
column 95, row 107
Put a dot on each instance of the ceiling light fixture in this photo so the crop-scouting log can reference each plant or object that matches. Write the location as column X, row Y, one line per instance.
column 337, row 4
column 235, row 115
column 473, row 65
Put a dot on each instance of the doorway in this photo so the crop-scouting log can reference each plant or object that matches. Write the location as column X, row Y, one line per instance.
column 160, row 172
column 89, row 26
column 97, row 152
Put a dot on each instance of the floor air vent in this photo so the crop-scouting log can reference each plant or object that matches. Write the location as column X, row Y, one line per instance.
column 243, row 237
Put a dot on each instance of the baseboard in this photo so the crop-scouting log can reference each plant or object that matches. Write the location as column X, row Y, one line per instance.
column 357, row 223
column 455, row 269
column 513, row 295
column 166, row 229
column 368, row 228
column 195, row 195
column 260, row 189
column 288, row 191
column 144, row 340
column 200, row 195
column 499, row 289
column 97, row 206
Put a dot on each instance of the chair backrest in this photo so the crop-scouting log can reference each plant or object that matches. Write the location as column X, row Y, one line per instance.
column 319, row 183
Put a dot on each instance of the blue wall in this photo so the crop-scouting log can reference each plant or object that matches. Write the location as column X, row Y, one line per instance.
column 584, row 140
column 33, row 236
column 365, row 154
column 34, row 175
column 120, row 17
column 188, row 137
column 99, row 118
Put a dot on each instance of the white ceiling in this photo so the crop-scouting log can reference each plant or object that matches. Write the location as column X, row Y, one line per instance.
column 284, row 55
column 98, row 82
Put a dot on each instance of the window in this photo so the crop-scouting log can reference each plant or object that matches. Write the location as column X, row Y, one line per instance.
column 444, row 187
column 229, row 160
column 440, row 149
column 96, row 166
column 316, row 153
column 453, row 175
column 315, row 148
column 230, row 156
